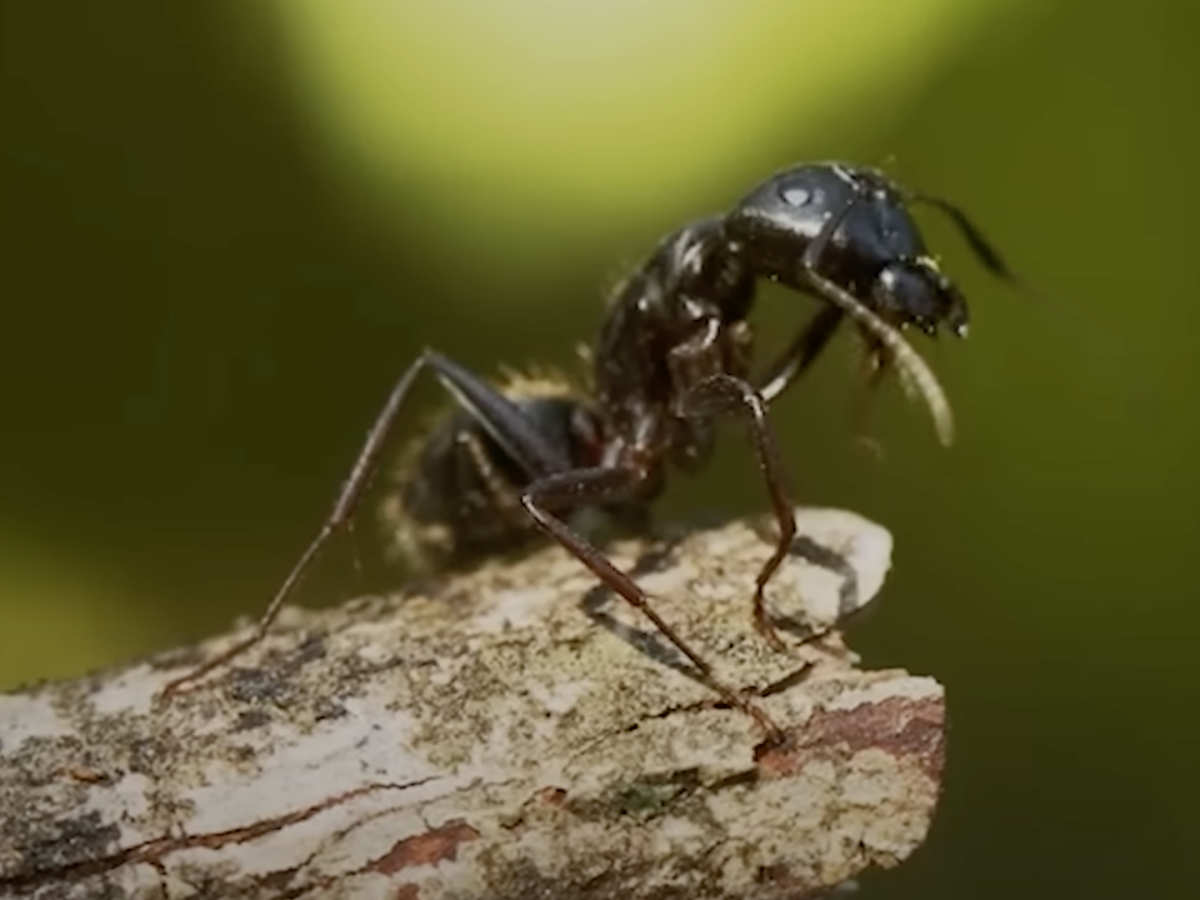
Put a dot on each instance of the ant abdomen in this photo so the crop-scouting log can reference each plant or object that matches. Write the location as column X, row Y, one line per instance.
column 455, row 496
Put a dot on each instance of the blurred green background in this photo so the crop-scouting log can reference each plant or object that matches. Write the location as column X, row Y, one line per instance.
column 227, row 227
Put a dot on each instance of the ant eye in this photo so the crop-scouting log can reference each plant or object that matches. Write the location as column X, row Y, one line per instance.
column 796, row 196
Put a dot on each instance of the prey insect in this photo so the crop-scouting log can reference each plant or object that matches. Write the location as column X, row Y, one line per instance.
column 673, row 356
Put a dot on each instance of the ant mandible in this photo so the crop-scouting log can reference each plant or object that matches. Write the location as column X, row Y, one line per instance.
column 673, row 356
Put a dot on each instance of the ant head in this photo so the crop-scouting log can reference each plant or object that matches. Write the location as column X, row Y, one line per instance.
column 914, row 292
column 778, row 219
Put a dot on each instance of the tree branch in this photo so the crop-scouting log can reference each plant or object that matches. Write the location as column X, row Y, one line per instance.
column 513, row 732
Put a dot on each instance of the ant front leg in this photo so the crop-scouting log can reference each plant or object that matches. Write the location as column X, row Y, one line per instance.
column 499, row 415
column 726, row 395
column 581, row 487
column 915, row 375
column 819, row 330
column 804, row 349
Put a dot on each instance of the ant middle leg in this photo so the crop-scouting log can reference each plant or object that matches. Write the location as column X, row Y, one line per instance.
column 874, row 367
column 724, row 395
column 599, row 485
column 498, row 414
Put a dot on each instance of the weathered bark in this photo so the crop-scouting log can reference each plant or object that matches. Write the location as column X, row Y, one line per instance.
column 513, row 732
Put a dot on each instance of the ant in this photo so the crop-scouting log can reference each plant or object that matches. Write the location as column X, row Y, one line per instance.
column 672, row 357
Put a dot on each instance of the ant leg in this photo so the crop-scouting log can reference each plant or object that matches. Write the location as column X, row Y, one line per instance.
column 873, row 370
column 504, row 498
column 915, row 375
column 806, row 347
column 582, row 487
column 726, row 395
column 500, row 416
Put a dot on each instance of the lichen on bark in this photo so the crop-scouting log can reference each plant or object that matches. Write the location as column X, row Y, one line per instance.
column 509, row 732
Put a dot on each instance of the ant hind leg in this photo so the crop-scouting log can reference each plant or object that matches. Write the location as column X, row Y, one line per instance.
column 502, row 418
column 601, row 485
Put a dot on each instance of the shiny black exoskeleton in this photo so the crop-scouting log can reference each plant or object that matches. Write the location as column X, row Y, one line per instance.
column 835, row 225
column 456, row 496
column 672, row 357
column 873, row 248
column 459, row 497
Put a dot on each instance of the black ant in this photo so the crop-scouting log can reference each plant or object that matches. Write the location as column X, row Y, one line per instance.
column 673, row 356
column 455, row 497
